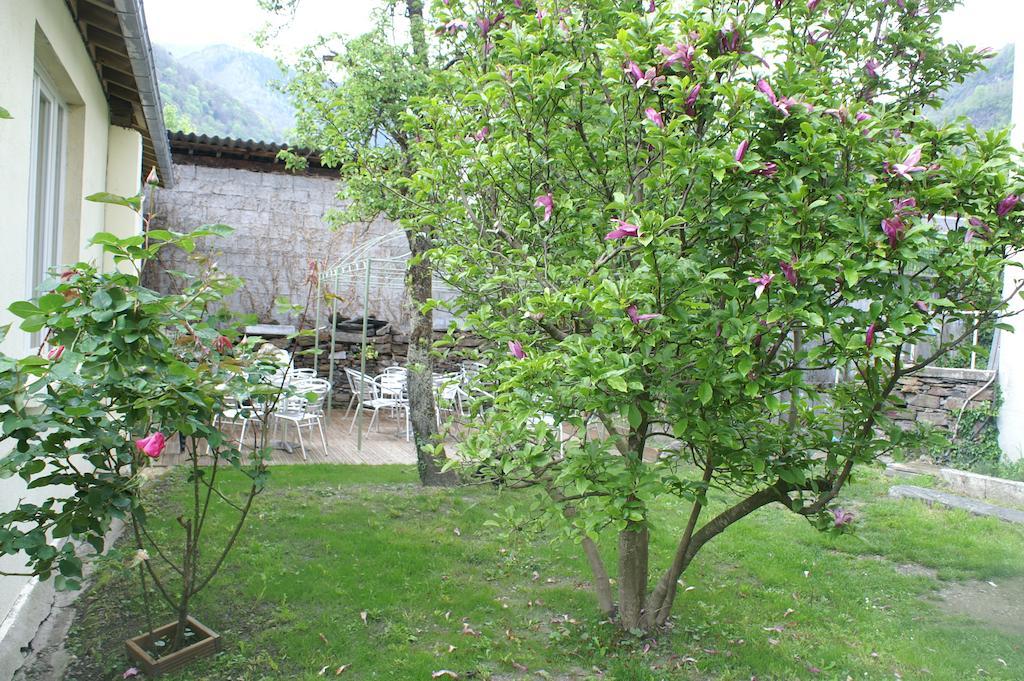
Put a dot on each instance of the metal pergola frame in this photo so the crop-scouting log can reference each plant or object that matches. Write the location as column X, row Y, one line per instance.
column 361, row 268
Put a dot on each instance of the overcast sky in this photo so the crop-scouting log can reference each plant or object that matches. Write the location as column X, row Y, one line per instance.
column 190, row 24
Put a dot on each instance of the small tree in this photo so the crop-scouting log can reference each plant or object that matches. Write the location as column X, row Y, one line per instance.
column 678, row 229
column 122, row 373
column 350, row 106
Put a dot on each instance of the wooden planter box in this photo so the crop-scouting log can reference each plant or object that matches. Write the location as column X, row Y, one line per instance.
column 208, row 644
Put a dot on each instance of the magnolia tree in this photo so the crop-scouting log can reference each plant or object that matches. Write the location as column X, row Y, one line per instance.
column 677, row 224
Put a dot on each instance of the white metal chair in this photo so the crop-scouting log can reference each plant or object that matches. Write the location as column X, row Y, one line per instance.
column 236, row 413
column 370, row 395
column 304, row 409
column 448, row 395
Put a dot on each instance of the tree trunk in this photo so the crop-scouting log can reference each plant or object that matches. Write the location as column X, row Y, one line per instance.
column 421, row 369
column 419, row 285
column 633, row 545
column 602, row 585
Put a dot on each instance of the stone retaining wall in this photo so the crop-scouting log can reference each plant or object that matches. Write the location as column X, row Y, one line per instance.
column 935, row 395
column 280, row 226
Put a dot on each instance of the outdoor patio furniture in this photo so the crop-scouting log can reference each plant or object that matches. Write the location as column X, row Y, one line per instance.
column 305, row 409
column 449, row 394
column 370, row 394
column 238, row 412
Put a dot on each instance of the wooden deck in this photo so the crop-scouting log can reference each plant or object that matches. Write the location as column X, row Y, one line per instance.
column 384, row 447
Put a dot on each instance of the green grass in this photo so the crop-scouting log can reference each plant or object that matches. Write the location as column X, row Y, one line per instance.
column 772, row 597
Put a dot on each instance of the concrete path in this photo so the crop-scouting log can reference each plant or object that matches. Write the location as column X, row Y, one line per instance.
column 973, row 506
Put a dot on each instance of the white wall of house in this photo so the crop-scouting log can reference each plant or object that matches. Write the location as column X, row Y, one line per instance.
column 40, row 36
column 1011, row 345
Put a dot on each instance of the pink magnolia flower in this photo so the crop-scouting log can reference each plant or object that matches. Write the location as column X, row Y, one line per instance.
column 840, row 114
column 788, row 270
column 862, row 116
column 481, row 134
column 518, row 3
column 841, row 517
column 782, row 104
column 741, row 151
column 222, row 344
column 908, row 165
column 904, row 206
column 454, row 26
column 730, row 41
column 767, row 170
column 640, row 77
column 976, row 227
column 1007, row 204
column 871, row 68
column 547, row 202
column 152, row 446
column 515, row 349
column 691, row 100
column 763, row 282
column 631, row 312
column 812, row 5
column 682, row 54
column 55, row 353
column 869, row 335
column 654, row 117
column 893, row 228
column 922, row 306
column 130, row 673
column 651, row 7
column 779, row 4
column 622, row 230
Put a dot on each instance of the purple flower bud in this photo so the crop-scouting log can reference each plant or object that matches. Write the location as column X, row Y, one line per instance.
column 1007, row 204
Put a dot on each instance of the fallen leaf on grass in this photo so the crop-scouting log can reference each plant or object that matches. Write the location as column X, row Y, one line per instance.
column 519, row 667
column 467, row 630
column 324, row 639
column 458, row 532
column 451, row 648
column 341, row 670
column 535, row 576
column 444, row 672
column 777, row 628
column 323, row 670
column 773, row 641
column 447, row 615
column 789, row 611
column 362, row 616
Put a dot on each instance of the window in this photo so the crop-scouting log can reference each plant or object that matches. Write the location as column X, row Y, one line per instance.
column 47, row 171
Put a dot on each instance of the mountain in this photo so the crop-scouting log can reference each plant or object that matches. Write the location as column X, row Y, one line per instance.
column 250, row 78
column 984, row 97
column 250, row 109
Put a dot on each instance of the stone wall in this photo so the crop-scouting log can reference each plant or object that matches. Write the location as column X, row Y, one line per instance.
column 935, row 395
column 280, row 226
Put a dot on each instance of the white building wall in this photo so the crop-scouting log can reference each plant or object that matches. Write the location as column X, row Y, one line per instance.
column 100, row 157
column 1011, row 345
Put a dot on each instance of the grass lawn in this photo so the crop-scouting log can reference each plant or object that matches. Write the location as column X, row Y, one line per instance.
column 441, row 588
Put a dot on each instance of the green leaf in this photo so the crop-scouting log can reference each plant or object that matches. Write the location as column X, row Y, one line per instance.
column 705, row 392
column 4, row 114
column 618, row 383
column 23, row 309
column 133, row 202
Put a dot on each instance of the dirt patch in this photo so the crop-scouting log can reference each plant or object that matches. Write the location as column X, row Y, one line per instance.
column 915, row 570
column 1000, row 604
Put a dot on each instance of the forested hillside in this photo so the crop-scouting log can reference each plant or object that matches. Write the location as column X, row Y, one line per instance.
column 985, row 97
column 194, row 103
